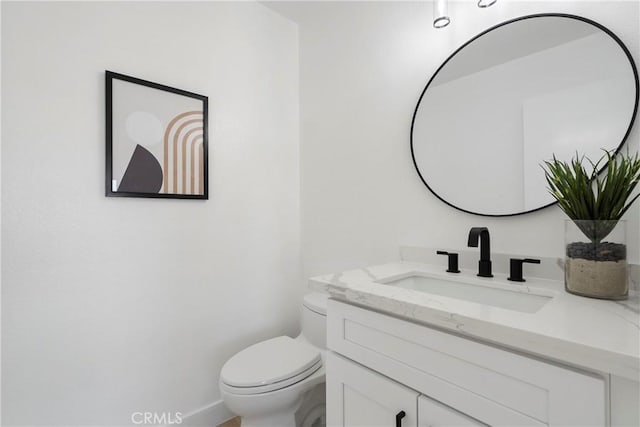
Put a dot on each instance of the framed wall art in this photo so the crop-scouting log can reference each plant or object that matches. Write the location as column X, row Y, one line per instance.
column 156, row 140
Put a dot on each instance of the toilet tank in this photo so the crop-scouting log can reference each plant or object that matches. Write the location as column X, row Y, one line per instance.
column 314, row 319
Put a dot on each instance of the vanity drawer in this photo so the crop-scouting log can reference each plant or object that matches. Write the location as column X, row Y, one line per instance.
column 465, row 374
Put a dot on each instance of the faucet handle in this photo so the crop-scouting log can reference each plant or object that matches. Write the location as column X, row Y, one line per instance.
column 453, row 261
column 515, row 273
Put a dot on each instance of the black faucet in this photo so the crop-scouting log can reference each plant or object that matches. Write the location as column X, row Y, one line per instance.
column 482, row 234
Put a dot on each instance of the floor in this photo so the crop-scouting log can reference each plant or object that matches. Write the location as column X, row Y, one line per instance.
column 234, row 422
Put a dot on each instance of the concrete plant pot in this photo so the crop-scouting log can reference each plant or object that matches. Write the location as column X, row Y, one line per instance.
column 596, row 259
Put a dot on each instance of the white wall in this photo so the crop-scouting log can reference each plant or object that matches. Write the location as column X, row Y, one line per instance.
column 363, row 66
column 115, row 305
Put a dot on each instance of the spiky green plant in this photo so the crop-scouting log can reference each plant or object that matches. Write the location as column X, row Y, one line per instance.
column 595, row 202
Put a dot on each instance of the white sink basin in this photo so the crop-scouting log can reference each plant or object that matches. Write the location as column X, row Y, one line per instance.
column 510, row 297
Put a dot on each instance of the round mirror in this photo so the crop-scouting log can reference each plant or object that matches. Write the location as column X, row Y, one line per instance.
column 511, row 98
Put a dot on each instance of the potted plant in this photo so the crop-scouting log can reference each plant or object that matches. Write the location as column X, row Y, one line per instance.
column 595, row 267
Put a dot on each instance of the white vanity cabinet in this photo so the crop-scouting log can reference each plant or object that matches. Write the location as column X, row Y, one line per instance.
column 357, row 396
column 380, row 365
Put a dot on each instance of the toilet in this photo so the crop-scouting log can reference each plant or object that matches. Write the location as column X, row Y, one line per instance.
column 267, row 383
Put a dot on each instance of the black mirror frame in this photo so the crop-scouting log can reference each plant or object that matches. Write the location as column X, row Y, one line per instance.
column 539, row 15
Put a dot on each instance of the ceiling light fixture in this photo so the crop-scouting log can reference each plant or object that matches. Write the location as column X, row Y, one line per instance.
column 486, row 3
column 441, row 13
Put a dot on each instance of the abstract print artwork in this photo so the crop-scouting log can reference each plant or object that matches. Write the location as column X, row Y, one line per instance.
column 156, row 140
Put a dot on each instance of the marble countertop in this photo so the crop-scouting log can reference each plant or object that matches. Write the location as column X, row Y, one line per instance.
column 593, row 334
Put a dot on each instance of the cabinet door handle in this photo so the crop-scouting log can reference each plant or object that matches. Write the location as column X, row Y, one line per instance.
column 399, row 416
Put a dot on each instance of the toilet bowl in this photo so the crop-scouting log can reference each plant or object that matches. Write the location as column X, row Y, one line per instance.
column 267, row 382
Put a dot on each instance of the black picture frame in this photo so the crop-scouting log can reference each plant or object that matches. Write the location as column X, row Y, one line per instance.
column 156, row 140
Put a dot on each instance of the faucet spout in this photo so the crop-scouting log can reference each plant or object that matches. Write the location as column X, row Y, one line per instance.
column 481, row 235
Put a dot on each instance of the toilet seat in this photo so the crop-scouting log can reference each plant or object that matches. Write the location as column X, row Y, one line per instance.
column 269, row 365
column 271, row 387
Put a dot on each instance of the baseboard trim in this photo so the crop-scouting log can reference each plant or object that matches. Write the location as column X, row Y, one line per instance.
column 210, row 415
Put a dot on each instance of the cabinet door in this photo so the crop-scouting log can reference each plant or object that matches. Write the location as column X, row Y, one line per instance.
column 435, row 414
column 357, row 396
